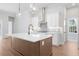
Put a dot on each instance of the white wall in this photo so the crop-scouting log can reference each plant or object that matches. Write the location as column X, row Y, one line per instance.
column 73, row 12
column 4, row 18
column 22, row 22
column 35, row 23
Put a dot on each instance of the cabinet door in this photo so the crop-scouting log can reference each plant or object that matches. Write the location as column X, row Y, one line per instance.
column 53, row 20
column 20, row 46
column 46, row 47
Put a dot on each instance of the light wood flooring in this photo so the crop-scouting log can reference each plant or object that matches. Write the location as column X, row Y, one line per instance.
column 68, row 49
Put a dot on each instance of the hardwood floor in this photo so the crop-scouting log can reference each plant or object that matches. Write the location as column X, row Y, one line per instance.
column 68, row 49
column 6, row 50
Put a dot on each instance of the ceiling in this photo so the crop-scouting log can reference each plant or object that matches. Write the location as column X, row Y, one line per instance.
column 14, row 7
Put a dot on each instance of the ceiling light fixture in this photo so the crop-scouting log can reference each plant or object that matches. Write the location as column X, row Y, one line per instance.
column 19, row 10
column 32, row 7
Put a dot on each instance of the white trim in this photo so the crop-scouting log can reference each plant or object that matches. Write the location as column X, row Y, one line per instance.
column 1, row 23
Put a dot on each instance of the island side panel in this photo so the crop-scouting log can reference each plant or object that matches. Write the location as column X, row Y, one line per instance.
column 46, row 47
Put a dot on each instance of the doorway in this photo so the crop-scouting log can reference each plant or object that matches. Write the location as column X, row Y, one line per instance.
column 71, row 29
column 10, row 25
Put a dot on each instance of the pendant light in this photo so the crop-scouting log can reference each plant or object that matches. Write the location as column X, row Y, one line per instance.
column 32, row 7
column 19, row 10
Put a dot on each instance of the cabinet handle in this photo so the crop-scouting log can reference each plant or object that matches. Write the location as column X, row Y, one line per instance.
column 42, row 43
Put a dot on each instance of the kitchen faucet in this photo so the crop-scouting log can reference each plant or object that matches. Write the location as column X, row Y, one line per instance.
column 30, row 27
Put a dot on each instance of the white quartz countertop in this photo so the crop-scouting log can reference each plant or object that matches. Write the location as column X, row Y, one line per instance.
column 31, row 37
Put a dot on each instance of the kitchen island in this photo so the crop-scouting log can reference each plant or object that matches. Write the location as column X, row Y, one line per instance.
column 32, row 45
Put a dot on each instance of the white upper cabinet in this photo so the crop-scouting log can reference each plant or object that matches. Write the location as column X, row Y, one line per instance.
column 53, row 19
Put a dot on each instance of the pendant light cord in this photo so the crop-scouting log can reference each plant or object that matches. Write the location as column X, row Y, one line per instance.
column 19, row 8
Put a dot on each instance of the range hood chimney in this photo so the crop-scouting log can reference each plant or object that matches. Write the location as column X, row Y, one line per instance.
column 43, row 22
column 43, row 14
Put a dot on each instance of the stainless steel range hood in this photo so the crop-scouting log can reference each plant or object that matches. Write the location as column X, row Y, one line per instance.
column 43, row 22
column 43, row 14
